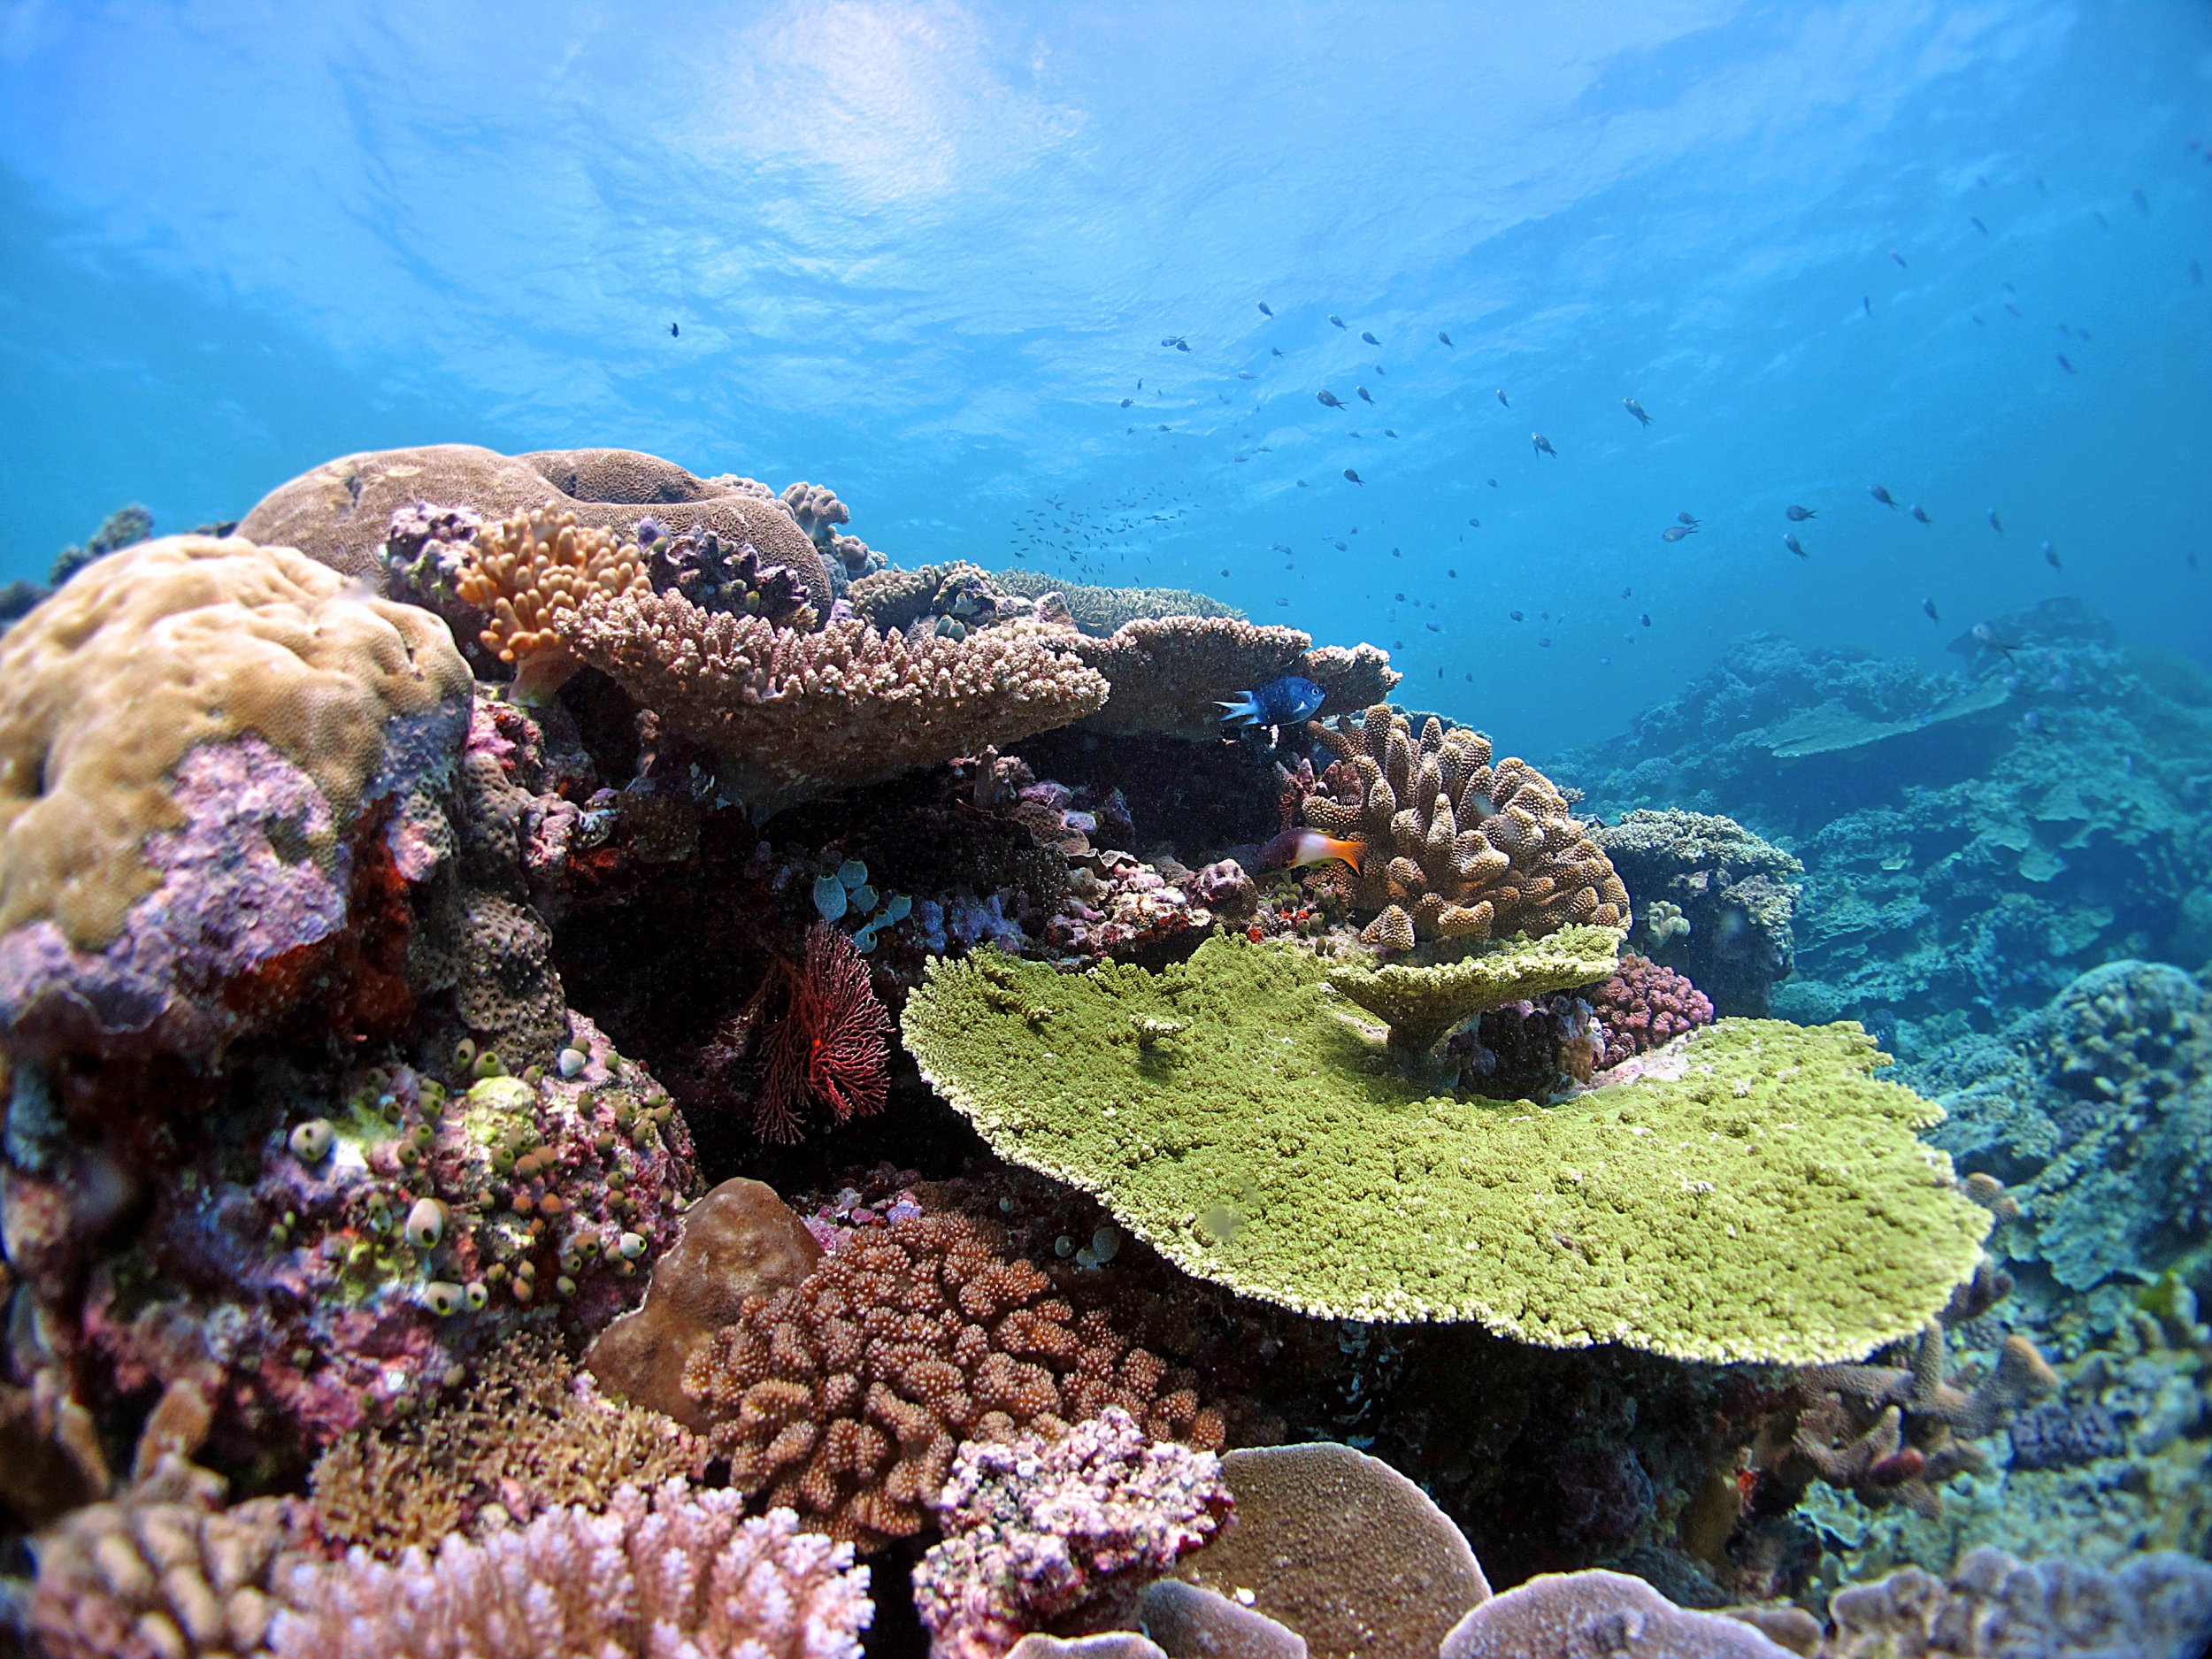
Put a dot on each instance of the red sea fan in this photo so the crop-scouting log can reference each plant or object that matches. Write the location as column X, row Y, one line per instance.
column 831, row 1048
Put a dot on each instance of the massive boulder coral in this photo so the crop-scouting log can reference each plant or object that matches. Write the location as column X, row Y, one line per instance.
column 219, row 761
column 1167, row 673
column 1714, row 901
column 1755, row 1194
column 846, row 1395
column 793, row 716
column 341, row 512
column 1455, row 847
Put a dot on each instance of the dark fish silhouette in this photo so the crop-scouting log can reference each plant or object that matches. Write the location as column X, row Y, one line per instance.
column 1866, row 303
column 1502, row 397
column 1369, row 338
column 1515, row 616
column 1995, row 523
column 1446, row 338
column 1177, row 341
column 2141, row 200
column 1363, row 397
column 1543, row 445
column 1637, row 409
column 674, row 332
column 1676, row 531
column 1390, row 432
column 1977, row 224
column 1928, row 605
column 1474, row 524
column 1126, row 402
column 1264, row 309
column 1692, row 519
column 1494, row 483
column 1333, row 317
column 1244, row 375
column 2064, row 365
column 1329, row 399
column 1900, row 257
column 1798, row 515
column 1790, row 541
column 1881, row 495
column 1277, row 350
column 1921, row 513
column 1645, row 618
column 2050, row 557
column 1351, row 477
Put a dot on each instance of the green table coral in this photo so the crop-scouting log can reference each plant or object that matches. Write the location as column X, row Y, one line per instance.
column 1420, row 1004
column 1771, row 1201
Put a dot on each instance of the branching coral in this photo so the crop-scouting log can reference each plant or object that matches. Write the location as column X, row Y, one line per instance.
column 1168, row 673
column 846, row 1395
column 1225, row 1112
column 1456, row 848
column 686, row 1574
column 529, row 575
column 1420, row 1004
column 1643, row 1007
column 1036, row 1528
column 524, row 1434
column 794, row 716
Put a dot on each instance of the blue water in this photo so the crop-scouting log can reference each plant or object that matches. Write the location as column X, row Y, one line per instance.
column 923, row 253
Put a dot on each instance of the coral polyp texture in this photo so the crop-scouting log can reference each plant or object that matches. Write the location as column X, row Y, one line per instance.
column 1168, row 673
column 1419, row 1005
column 339, row 513
column 1455, row 848
column 1643, row 1006
column 793, row 716
column 213, row 757
column 524, row 572
column 684, row 1572
column 1037, row 1528
column 1755, row 1193
column 845, row 1396
column 1571, row 1615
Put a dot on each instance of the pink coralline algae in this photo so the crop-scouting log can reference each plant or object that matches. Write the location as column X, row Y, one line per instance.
column 685, row 1576
column 1036, row 1529
column 1644, row 1006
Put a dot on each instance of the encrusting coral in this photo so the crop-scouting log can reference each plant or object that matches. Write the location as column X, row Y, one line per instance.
column 685, row 1572
column 525, row 572
column 205, row 747
column 1455, row 848
column 1037, row 1529
column 845, row 1396
column 525, row 1433
column 793, row 716
column 1752, row 1193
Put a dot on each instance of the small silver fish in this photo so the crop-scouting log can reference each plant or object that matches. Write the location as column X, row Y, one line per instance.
column 1900, row 257
column 1676, row 531
column 1637, row 409
column 1798, row 515
column 1790, row 541
column 1333, row 317
column 1329, row 399
column 1369, row 338
column 1266, row 310
column 1364, row 395
column 1502, row 397
column 1692, row 519
column 1543, row 445
column 1921, row 513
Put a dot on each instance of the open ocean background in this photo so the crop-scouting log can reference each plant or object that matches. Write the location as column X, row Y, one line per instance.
column 923, row 253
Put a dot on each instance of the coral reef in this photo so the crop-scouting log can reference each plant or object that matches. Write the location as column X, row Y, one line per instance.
column 525, row 572
column 523, row 1434
column 2097, row 1109
column 162, row 1571
column 959, row 592
column 846, row 1395
column 2158, row 1605
column 1419, row 1005
column 1454, row 848
column 792, row 716
column 1100, row 610
column 1186, row 1622
column 1342, row 1550
column 1227, row 1116
column 685, row 1573
column 1643, row 1007
column 1169, row 673
column 340, row 513
column 1037, row 1528
column 216, row 765
column 828, row 1045
column 1583, row 1615
column 1716, row 900
column 739, row 1240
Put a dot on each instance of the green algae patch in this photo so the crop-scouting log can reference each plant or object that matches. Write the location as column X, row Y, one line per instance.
column 1773, row 1201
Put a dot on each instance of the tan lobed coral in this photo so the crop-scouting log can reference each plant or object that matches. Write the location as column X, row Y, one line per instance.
column 1456, row 847
column 1168, row 673
column 523, row 1432
column 162, row 1573
column 528, row 574
column 794, row 716
column 845, row 1396
column 339, row 513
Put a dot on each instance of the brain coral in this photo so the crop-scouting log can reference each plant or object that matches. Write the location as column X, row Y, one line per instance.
column 339, row 513
column 1456, row 847
column 194, row 735
column 1764, row 1197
